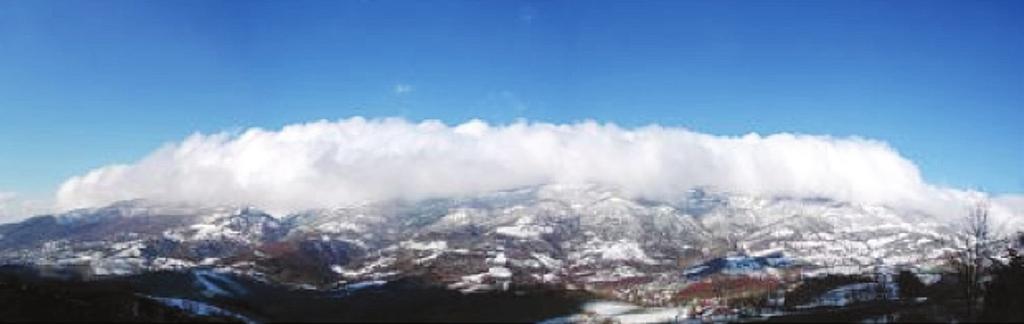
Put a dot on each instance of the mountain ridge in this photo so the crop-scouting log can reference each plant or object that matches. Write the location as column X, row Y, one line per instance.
column 570, row 236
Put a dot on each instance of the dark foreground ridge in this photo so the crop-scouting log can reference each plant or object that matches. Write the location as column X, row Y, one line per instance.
column 29, row 294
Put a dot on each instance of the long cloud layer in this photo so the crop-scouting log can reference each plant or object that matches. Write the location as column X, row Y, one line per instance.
column 326, row 164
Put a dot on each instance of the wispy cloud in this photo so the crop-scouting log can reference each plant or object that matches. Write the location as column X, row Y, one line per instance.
column 324, row 164
column 13, row 207
column 506, row 103
column 527, row 15
column 402, row 88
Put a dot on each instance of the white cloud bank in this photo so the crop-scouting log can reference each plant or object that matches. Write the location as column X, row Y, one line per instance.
column 325, row 164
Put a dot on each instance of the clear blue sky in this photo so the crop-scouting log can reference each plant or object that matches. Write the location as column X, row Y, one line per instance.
column 89, row 83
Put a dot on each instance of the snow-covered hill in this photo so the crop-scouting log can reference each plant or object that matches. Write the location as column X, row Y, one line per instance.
column 575, row 236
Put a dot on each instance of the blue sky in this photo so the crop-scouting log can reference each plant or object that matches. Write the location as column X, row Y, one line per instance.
column 90, row 83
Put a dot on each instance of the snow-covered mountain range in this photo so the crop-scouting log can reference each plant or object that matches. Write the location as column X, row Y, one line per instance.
column 572, row 236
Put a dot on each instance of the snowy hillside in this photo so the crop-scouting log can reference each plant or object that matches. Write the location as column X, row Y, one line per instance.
column 573, row 236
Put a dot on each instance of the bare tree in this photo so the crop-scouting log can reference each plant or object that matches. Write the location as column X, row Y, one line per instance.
column 975, row 243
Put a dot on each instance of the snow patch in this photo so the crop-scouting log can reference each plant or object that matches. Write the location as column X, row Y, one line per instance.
column 624, row 251
column 527, row 231
column 500, row 272
column 425, row 246
column 200, row 308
